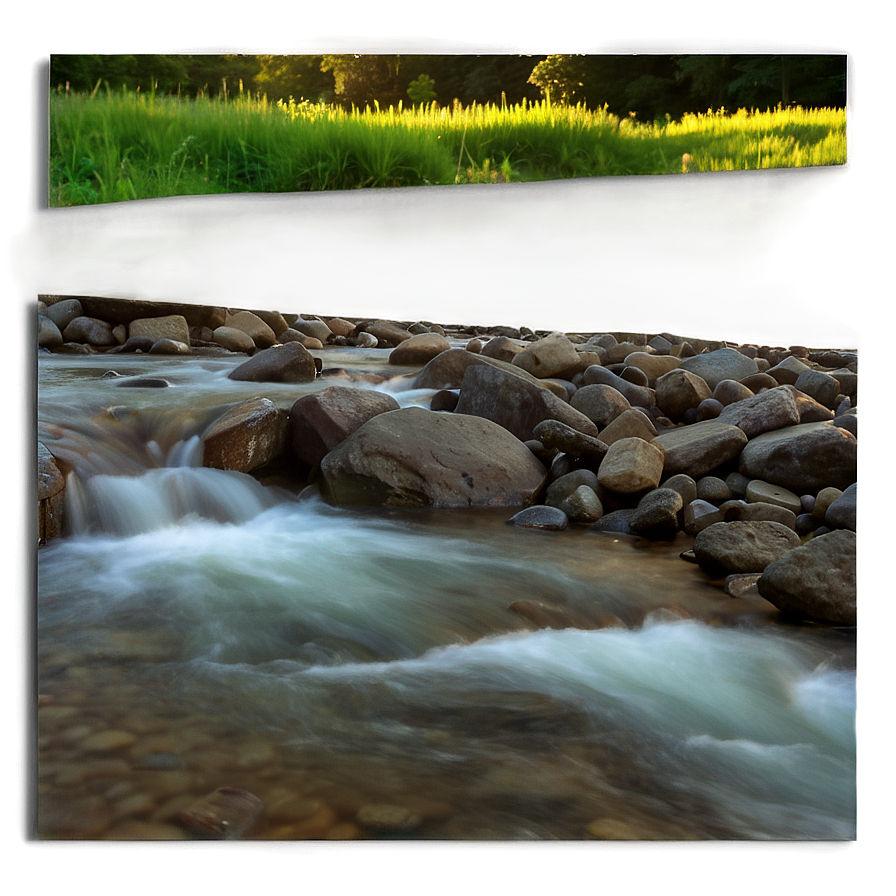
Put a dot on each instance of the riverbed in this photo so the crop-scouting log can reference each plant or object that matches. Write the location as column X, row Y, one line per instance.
column 199, row 629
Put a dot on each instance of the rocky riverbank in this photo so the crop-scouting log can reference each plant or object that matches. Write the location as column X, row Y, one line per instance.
column 749, row 452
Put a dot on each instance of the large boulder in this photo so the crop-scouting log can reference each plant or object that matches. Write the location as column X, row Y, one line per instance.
column 172, row 326
column 501, row 348
column 769, row 410
column 320, row 421
column 654, row 366
column 554, row 355
column 447, row 369
column 600, row 403
column 253, row 326
column 803, row 458
column 89, row 330
column 630, row 423
column 818, row 385
column 722, row 364
column 631, row 466
column 700, row 447
column 816, row 581
column 64, row 312
column 247, row 435
column 678, row 391
column 419, row 350
column 743, row 546
column 517, row 404
column 312, row 327
column 233, row 340
column 290, row 363
column 417, row 457
column 637, row 396
column 387, row 332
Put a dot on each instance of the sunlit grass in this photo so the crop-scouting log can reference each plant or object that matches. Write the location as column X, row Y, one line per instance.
column 109, row 146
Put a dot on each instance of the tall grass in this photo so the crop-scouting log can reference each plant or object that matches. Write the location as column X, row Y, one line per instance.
column 109, row 146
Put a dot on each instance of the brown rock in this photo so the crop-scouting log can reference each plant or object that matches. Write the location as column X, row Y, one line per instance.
column 630, row 423
column 551, row 356
column 173, row 326
column 700, row 448
column 253, row 326
column 631, row 466
column 320, row 421
column 290, row 363
column 419, row 350
column 767, row 411
column 600, row 403
column 743, row 546
column 246, row 436
column 233, row 340
column 680, row 390
column 414, row 456
column 654, row 366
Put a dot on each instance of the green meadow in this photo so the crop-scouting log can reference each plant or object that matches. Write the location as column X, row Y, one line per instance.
column 110, row 146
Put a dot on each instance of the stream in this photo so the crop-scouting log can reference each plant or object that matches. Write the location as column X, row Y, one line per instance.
column 199, row 629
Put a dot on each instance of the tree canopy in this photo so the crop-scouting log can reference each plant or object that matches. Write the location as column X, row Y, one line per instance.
column 647, row 85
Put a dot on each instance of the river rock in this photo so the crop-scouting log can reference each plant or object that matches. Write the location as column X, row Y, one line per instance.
column 475, row 346
column 729, row 391
column 680, row 390
column 414, row 456
column 713, row 489
column 722, row 364
column 558, row 436
column 634, row 375
column 382, row 818
column 540, row 516
column 419, row 350
column 172, row 326
column 50, row 495
column 760, row 491
column 338, row 326
column 767, row 411
column 699, row 514
column 656, row 515
column 816, row 581
column 818, row 385
column 653, row 365
column 274, row 319
column 552, row 356
column 364, row 340
column 810, row 410
column 700, row 448
column 254, row 327
column 247, row 435
column 709, row 409
column 684, row 485
column 169, row 347
column 619, row 351
column 600, row 403
column 743, row 546
column 447, row 369
column 290, row 335
column 227, row 814
column 849, row 422
column 637, row 396
column 320, row 421
column 563, row 486
column 48, row 334
column 841, row 513
column 802, row 458
column 517, row 404
column 582, row 506
column 89, row 330
column 312, row 327
column 501, row 348
column 233, row 340
column 757, row 382
column 758, row 511
column 388, row 333
column 64, row 312
column 630, row 423
column 289, row 363
column 631, row 466
column 788, row 371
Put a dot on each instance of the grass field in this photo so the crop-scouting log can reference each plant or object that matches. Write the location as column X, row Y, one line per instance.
column 107, row 146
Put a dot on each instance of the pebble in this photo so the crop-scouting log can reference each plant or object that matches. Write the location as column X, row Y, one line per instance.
column 382, row 818
column 108, row 741
column 227, row 814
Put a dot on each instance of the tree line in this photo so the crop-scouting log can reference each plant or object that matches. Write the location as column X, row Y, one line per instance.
column 646, row 85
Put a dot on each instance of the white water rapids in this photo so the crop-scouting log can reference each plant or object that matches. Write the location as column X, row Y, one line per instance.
column 374, row 654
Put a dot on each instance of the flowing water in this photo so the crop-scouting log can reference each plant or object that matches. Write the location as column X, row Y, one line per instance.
column 200, row 629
